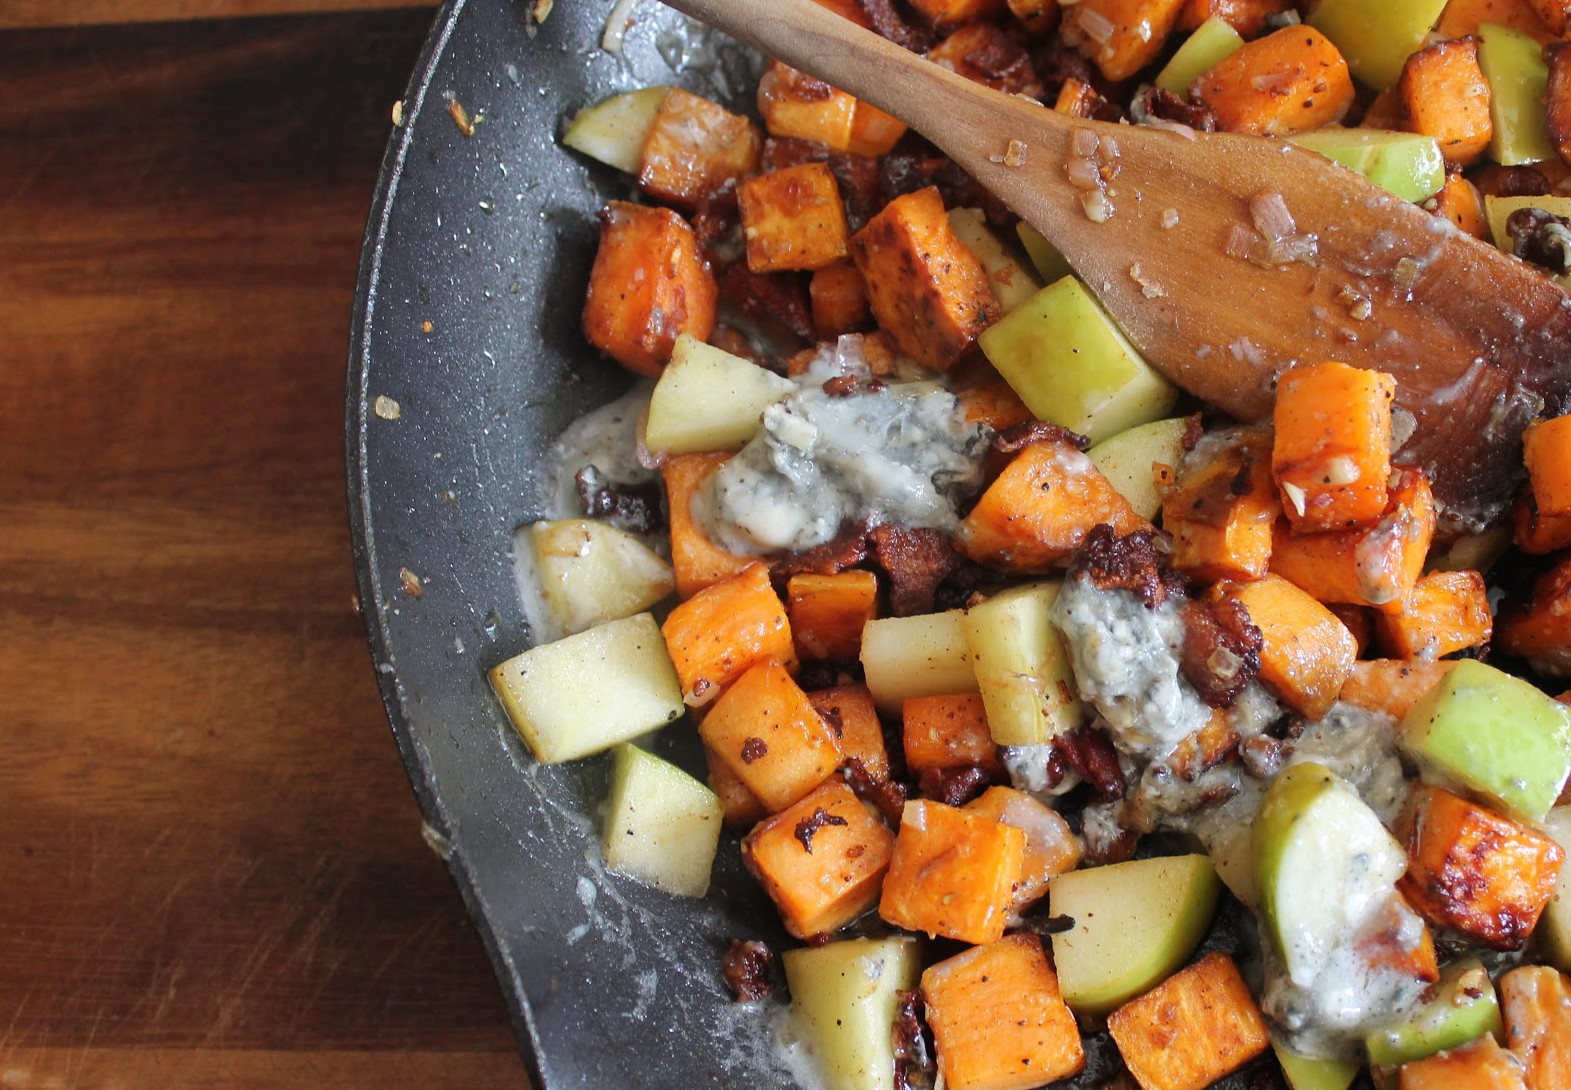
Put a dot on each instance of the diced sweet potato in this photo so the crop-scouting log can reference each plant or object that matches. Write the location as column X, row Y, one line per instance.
column 1444, row 95
column 1292, row 80
column 838, row 298
column 873, row 132
column 1539, row 630
column 952, row 873
column 948, row 731
column 1376, row 565
column 1477, row 871
column 696, row 560
column 796, row 105
column 792, row 218
column 1051, row 845
column 1388, row 944
column 724, row 630
column 1040, row 509
column 1477, row 1065
column 1248, row 17
column 951, row 13
column 741, row 807
column 1205, row 748
column 1460, row 202
column 1557, row 98
column 1554, row 14
column 986, row 54
column 1039, row 17
column 1120, row 36
column 821, row 861
column 1220, row 507
column 1392, row 686
column 989, row 399
column 1446, row 611
column 1534, row 532
column 1306, row 654
column 1536, row 1003
column 828, row 612
column 927, row 289
column 771, row 736
column 999, row 1021
column 649, row 284
column 1332, row 456
column 1463, row 17
column 850, row 712
column 696, row 149
column 1546, row 450
column 1077, row 98
column 1198, row 1025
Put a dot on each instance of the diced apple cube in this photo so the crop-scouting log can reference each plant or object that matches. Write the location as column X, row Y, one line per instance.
column 708, row 400
column 662, row 826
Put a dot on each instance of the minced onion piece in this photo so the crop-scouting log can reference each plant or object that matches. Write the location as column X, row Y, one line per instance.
column 1097, row 207
column 1084, row 142
column 1272, row 219
column 617, row 25
column 1094, row 25
column 1083, row 174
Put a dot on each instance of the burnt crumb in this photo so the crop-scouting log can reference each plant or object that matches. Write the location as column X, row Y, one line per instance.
column 846, row 549
column 1194, row 431
column 1221, row 650
column 953, row 786
column 886, row 796
column 1153, row 103
column 1541, row 238
column 1047, row 925
column 753, row 749
column 1519, row 181
column 1016, row 438
column 915, row 1063
column 746, row 970
column 1134, row 562
column 959, row 585
column 631, row 507
column 814, row 822
column 916, row 561
column 1091, row 753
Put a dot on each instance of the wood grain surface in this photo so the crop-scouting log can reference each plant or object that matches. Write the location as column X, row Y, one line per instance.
column 55, row 13
column 211, row 866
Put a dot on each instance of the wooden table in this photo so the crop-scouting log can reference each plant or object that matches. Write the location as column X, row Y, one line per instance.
column 211, row 866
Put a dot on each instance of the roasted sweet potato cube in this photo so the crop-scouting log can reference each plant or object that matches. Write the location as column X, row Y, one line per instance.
column 1391, row 686
column 1376, row 565
column 873, row 132
column 1198, row 1025
column 1444, row 95
column 1446, row 611
column 1248, row 17
column 1292, row 80
column 1557, row 98
column 1077, row 98
column 741, row 807
column 724, row 630
column 792, row 218
column 821, row 861
column 1388, row 944
column 851, row 714
column 1460, row 202
column 696, row 560
column 1040, row 509
column 1220, row 507
column 829, row 611
column 1477, row 1065
column 1306, row 654
column 1539, row 630
column 948, row 731
column 985, row 53
column 649, row 284
column 951, row 13
column 1332, row 455
column 987, row 398
column 1051, row 845
column 999, row 1021
column 1463, row 17
column 952, row 873
column 771, row 736
column 927, row 289
column 1039, row 17
column 1546, row 450
column 1120, row 36
column 696, row 149
column 797, row 105
column 1555, row 14
column 1206, row 748
column 838, row 298
column 1534, row 532
column 1477, row 871
column 1535, row 1001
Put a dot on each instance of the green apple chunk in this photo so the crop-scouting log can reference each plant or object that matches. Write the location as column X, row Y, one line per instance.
column 1406, row 163
column 1463, row 1009
column 591, row 572
column 1012, row 282
column 1376, row 39
column 1134, row 924
column 1518, row 79
column 1493, row 734
column 588, row 692
column 1126, row 460
column 1553, row 934
column 708, row 399
column 1308, row 1073
column 1051, row 266
column 1073, row 367
column 662, row 826
column 616, row 130
column 1022, row 669
column 844, row 999
column 926, row 655
column 1323, row 861
column 1212, row 42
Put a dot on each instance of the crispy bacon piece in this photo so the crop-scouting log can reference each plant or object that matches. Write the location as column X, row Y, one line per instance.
column 846, row 549
column 915, row 1061
column 1013, row 440
column 887, row 796
column 775, row 301
column 1091, row 753
column 746, row 970
column 814, row 822
column 916, row 561
column 631, row 507
column 1162, row 105
column 1221, row 652
column 954, row 786
column 1134, row 562
column 889, row 23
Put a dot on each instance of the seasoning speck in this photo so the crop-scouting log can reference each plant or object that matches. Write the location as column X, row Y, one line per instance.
column 542, row 10
column 426, row 327
column 410, row 582
column 460, row 116
column 1170, row 217
column 1016, row 155
column 398, row 113
column 386, row 407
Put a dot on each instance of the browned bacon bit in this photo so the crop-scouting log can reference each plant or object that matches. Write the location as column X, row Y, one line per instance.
column 631, row 507
column 1118, row 848
column 1091, row 753
column 1221, row 651
column 889, row 23
column 1155, row 103
column 846, row 549
column 753, row 749
column 746, row 970
column 999, row 60
column 1194, row 431
column 1016, row 438
column 1541, row 237
column 1133, row 562
column 1263, row 756
column 1520, row 181
column 846, row 385
column 833, row 720
column 814, row 822
column 775, row 302
column 916, row 561
column 953, row 786
column 914, row 1057
column 887, row 796
column 958, row 586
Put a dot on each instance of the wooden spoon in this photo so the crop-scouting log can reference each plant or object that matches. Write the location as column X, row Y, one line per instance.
column 1480, row 342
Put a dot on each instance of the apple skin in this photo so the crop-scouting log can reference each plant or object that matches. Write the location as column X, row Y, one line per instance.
column 1463, row 1009
column 1518, row 78
column 1308, row 1073
column 1212, row 43
column 1126, row 459
column 1407, row 164
column 616, row 130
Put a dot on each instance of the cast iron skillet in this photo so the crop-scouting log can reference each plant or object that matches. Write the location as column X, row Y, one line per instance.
column 489, row 239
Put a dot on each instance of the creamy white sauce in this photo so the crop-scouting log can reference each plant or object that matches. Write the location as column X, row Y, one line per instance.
column 1027, row 767
column 1360, row 746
